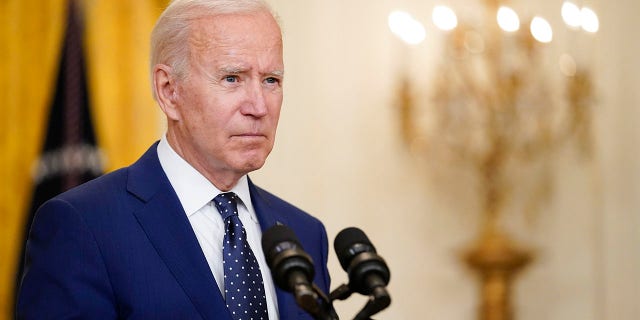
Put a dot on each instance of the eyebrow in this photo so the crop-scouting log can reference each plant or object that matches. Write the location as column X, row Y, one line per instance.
column 239, row 69
column 277, row 73
column 233, row 69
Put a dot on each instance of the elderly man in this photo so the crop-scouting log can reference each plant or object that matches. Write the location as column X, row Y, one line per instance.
column 177, row 234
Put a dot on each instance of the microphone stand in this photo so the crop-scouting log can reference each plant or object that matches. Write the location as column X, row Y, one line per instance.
column 316, row 303
column 379, row 299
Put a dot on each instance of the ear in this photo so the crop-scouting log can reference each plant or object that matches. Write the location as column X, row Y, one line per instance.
column 165, row 89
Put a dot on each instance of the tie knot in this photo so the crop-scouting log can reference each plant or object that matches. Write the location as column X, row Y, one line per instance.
column 226, row 204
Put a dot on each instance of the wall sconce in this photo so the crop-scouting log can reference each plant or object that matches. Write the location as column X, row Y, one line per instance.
column 499, row 108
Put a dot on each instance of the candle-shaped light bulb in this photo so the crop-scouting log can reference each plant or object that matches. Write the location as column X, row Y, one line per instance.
column 444, row 18
column 590, row 22
column 541, row 30
column 508, row 19
column 571, row 14
column 406, row 27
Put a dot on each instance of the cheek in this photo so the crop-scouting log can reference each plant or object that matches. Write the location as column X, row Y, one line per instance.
column 189, row 103
column 276, row 105
column 203, row 109
column 201, row 121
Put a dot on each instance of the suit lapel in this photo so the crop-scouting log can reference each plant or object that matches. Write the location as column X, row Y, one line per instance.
column 268, row 217
column 168, row 229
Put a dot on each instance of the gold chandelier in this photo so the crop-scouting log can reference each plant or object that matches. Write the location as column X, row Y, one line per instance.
column 498, row 107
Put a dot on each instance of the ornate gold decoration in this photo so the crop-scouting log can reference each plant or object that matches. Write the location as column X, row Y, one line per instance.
column 496, row 260
column 497, row 109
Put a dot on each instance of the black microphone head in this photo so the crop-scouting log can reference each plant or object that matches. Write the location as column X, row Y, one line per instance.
column 358, row 257
column 276, row 235
column 285, row 255
column 349, row 243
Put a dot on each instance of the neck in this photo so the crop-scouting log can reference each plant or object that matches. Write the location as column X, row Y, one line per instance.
column 223, row 180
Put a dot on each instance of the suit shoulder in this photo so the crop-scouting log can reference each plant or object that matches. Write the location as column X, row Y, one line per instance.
column 284, row 207
column 97, row 191
column 112, row 186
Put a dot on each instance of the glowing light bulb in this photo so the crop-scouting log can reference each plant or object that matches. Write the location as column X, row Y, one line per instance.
column 590, row 22
column 508, row 19
column 571, row 14
column 406, row 27
column 444, row 18
column 541, row 30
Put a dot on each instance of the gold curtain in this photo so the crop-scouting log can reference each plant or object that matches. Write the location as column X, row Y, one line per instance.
column 125, row 117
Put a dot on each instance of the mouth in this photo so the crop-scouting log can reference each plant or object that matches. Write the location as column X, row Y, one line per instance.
column 250, row 136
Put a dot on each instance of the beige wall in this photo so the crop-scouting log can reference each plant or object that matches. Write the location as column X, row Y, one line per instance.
column 620, row 136
column 339, row 156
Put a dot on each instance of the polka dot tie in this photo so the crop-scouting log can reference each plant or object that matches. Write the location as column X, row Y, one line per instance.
column 243, row 287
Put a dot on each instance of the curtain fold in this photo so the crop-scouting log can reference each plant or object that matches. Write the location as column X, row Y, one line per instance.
column 127, row 120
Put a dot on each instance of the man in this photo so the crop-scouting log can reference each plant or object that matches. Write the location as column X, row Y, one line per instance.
column 147, row 241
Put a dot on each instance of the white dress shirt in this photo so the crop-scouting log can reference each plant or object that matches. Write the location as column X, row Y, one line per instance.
column 196, row 194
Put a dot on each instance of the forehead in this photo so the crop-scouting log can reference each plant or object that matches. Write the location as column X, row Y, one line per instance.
column 244, row 31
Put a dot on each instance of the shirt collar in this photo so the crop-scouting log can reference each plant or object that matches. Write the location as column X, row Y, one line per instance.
column 193, row 189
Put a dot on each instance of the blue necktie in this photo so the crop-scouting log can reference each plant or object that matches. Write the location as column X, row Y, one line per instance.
column 243, row 286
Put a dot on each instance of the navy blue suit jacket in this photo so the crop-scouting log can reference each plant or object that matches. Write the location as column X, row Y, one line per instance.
column 121, row 247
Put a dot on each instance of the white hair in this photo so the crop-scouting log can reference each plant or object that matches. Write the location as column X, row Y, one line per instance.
column 171, row 31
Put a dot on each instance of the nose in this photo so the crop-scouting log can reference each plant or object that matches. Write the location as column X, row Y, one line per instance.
column 256, row 104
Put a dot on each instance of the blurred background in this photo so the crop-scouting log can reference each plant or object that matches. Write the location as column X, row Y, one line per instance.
column 489, row 149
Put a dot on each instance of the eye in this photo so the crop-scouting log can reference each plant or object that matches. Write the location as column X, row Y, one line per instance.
column 272, row 80
column 231, row 79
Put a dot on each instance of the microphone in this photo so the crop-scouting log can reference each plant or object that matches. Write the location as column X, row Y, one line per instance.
column 367, row 270
column 368, row 273
column 291, row 267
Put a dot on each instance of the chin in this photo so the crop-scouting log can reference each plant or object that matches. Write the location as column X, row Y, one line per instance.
column 249, row 164
column 247, row 159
